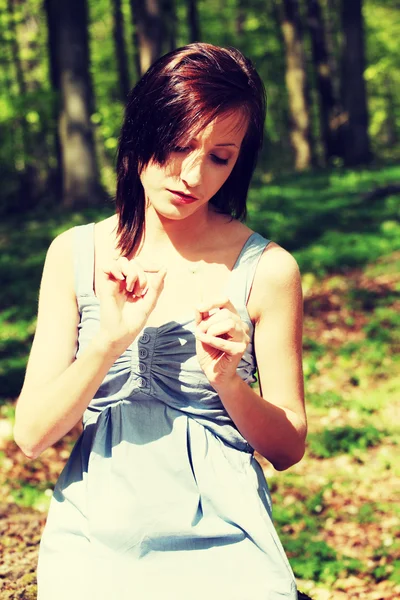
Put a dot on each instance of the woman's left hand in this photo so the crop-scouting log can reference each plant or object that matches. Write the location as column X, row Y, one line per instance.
column 221, row 339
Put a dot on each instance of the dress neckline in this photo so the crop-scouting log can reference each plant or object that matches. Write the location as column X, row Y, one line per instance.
column 186, row 318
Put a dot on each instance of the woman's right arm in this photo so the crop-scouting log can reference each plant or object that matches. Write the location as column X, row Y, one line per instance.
column 57, row 387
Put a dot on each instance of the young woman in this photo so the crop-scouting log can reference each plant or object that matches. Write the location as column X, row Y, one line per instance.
column 151, row 325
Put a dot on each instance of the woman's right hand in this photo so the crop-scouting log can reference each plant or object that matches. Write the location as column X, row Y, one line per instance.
column 128, row 294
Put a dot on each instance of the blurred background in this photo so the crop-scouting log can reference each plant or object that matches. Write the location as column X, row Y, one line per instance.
column 327, row 189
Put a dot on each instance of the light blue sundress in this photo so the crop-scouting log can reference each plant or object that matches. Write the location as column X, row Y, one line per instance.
column 161, row 498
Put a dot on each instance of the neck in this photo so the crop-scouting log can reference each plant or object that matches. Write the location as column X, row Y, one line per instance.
column 182, row 234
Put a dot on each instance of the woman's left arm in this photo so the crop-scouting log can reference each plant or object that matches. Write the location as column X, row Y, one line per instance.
column 274, row 423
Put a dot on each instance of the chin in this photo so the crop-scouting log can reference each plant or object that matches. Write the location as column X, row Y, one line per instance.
column 176, row 212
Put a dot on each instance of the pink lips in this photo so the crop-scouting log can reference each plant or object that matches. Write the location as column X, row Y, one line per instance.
column 181, row 198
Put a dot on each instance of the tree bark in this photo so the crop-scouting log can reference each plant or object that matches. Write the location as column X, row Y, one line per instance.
column 120, row 50
column 329, row 109
column 392, row 137
column 193, row 21
column 296, row 82
column 150, row 31
column 357, row 146
column 135, row 41
column 23, row 141
column 170, row 21
column 56, row 175
column 69, row 46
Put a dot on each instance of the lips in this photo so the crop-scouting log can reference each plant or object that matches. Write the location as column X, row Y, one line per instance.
column 181, row 197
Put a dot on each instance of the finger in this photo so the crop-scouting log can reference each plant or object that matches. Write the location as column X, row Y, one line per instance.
column 226, row 327
column 220, row 303
column 221, row 316
column 155, row 287
column 197, row 316
column 136, row 281
column 228, row 346
column 114, row 270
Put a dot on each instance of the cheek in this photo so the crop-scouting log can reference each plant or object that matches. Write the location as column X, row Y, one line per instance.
column 151, row 178
column 221, row 176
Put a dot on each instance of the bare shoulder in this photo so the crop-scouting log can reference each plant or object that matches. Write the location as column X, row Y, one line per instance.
column 277, row 267
column 60, row 250
column 277, row 280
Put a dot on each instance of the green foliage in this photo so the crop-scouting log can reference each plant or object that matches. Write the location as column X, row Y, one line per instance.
column 32, row 496
column 382, row 21
column 324, row 219
column 367, row 513
column 315, row 560
column 325, row 400
column 310, row 556
column 384, row 325
column 27, row 116
column 343, row 440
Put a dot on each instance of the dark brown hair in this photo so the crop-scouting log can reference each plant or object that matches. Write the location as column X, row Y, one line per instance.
column 181, row 93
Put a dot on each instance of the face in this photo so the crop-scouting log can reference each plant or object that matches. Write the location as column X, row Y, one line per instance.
column 195, row 170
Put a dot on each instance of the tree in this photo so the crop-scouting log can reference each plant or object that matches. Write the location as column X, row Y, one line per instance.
column 296, row 82
column 356, row 141
column 120, row 49
column 150, row 31
column 193, row 21
column 329, row 109
column 69, row 59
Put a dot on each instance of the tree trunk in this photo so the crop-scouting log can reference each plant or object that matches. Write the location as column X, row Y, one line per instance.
column 150, row 31
column 357, row 147
column 193, row 21
column 135, row 41
column 26, row 179
column 296, row 82
column 329, row 109
column 333, row 41
column 240, row 20
column 120, row 50
column 69, row 44
column 392, row 137
column 169, row 12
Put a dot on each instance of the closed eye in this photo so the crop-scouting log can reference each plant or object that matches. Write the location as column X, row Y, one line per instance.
column 218, row 160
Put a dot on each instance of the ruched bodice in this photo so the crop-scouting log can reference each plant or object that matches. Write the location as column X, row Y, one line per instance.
column 161, row 488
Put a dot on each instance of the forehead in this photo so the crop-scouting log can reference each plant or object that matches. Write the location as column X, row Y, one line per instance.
column 224, row 129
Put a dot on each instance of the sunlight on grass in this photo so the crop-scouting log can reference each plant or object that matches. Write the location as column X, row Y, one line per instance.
column 334, row 510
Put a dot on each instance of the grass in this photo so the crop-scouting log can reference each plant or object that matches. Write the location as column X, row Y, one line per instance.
column 334, row 511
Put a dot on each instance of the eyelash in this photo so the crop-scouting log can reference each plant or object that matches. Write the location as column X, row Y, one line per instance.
column 216, row 159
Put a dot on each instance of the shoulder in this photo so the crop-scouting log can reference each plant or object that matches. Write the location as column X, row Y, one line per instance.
column 277, row 280
column 277, row 267
column 61, row 246
column 58, row 270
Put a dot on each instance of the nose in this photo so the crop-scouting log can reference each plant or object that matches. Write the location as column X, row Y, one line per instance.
column 191, row 170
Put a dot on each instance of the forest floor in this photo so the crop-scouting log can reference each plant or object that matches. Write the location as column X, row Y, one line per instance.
column 336, row 511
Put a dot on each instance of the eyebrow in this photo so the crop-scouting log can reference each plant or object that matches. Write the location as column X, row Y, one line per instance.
column 227, row 145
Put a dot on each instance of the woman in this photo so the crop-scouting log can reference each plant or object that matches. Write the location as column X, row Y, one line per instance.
column 150, row 325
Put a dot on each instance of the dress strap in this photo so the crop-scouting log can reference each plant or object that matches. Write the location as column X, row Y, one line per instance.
column 243, row 272
column 84, row 259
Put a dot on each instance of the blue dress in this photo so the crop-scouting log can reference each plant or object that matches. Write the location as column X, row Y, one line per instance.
column 161, row 497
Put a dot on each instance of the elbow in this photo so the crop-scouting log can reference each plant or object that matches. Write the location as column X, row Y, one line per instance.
column 21, row 440
column 287, row 460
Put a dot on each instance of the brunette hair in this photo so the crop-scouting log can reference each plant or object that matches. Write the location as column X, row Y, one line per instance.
column 180, row 94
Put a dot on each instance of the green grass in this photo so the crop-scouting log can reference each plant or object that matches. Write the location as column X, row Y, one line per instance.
column 325, row 219
column 343, row 440
column 352, row 382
